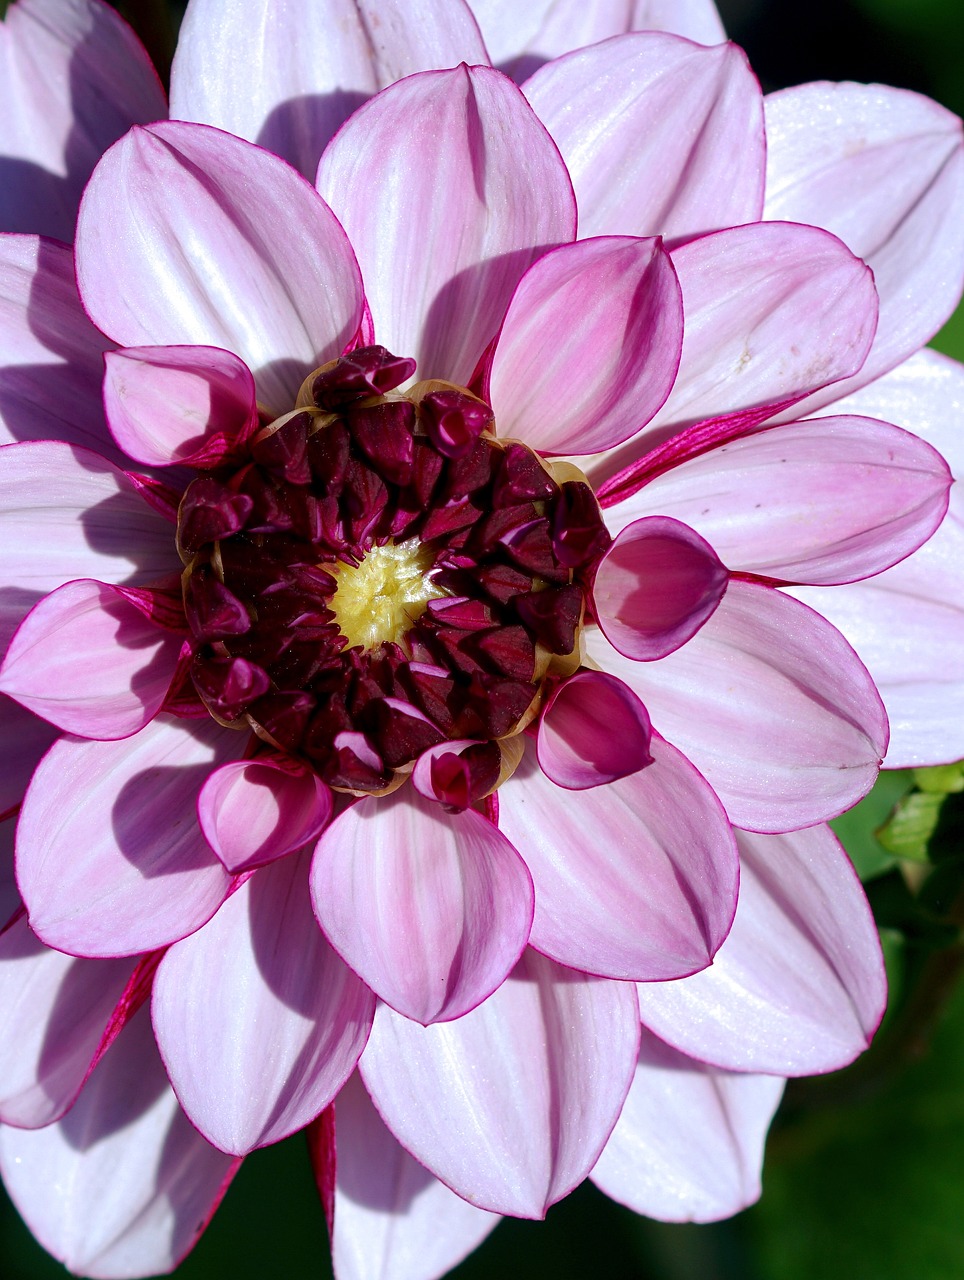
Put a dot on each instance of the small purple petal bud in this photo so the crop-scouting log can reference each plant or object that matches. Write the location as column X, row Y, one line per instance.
column 369, row 371
column 521, row 478
column 553, row 615
column 384, row 432
column 284, row 451
column 209, row 511
column 228, row 685
column 579, row 536
column 454, row 421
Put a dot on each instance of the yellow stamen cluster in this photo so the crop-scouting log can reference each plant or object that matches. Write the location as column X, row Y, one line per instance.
column 377, row 601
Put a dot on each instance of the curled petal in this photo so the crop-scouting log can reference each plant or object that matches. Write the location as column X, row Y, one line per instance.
column 593, row 730
column 688, row 1144
column 432, row 909
column 566, row 1041
column 655, row 587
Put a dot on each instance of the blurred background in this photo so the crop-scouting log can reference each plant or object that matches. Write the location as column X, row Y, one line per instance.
column 864, row 1178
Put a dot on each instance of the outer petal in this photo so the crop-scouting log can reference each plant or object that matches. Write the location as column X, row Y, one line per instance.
column 590, row 346
column 523, row 39
column 511, row 1104
column 123, row 1185
column 53, row 1011
column 444, row 230
column 660, row 136
column 23, row 740
column 187, row 235
column 822, row 501
column 884, row 170
column 317, row 62
column 88, row 660
column 688, row 1145
column 73, row 78
column 168, row 404
column 798, row 986
column 634, row 879
column 258, row 1021
column 393, row 1219
column 51, row 356
column 770, row 704
column 432, row 909
column 593, row 730
column 110, row 860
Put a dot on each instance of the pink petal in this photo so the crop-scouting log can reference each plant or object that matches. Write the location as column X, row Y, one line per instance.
column 884, row 170
column 520, row 39
column 593, row 730
column 660, row 136
column 798, row 986
column 173, row 249
column 655, row 587
column 122, row 1185
column 51, row 356
column 393, row 1219
column 110, row 860
column 23, row 740
column 317, row 61
column 634, row 879
column 688, row 1145
column 89, row 661
column 73, row 78
column 431, row 908
column 253, row 811
column 441, row 264
column 771, row 705
column 170, row 404
column 511, row 1104
column 53, row 1012
column 600, row 320
column 822, row 501
column 258, row 1021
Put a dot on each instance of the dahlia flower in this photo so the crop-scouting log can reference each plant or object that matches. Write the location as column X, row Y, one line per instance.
column 417, row 739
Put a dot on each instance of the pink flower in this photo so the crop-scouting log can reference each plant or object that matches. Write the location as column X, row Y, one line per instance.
column 647, row 715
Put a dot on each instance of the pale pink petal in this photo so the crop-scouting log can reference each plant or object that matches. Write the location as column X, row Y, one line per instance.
column 73, row 78
column 317, row 60
column 884, row 170
column 258, row 1021
column 110, row 859
column 445, row 229
column 771, row 705
column 823, row 501
column 253, row 811
column 53, row 1012
column 165, row 404
column 90, row 662
column 431, row 908
column 590, row 346
column 51, row 356
column 634, row 879
column 123, row 1185
column 593, row 730
column 655, row 587
column 24, row 738
column 688, row 1145
column 798, row 986
column 65, row 513
column 660, row 136
column 189, row 236
column 520, row 39
column 393, row 1219
column 510, row 1105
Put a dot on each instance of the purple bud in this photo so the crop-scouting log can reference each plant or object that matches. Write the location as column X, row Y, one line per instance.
column 454, row 421
column 369, row 371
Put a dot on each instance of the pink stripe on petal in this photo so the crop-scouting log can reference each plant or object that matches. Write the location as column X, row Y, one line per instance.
column 254, row 811
column 432, row 909
column 258, row 1021
column 90, row 662
column 637, row 878
column 660, row 136
column 655, row 587
column 110, row 860
column 590, row 346
column 567, row 1043
column 688, row 1146
column 798, row 986
column 136, row 1183
column 441, row 263
column 593, row 730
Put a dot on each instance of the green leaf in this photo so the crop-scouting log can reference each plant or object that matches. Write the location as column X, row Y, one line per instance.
column 908, row 831
column 943, row 779
column 855, row 829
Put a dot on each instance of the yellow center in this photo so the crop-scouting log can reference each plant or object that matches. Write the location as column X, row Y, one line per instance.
column 377, row 601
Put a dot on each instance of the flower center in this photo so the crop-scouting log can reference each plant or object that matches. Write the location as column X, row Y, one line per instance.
column 375, row 573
